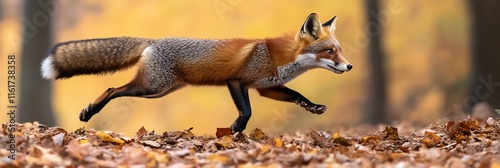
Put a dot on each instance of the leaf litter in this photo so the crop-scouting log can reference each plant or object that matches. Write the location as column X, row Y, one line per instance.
column 455, row 143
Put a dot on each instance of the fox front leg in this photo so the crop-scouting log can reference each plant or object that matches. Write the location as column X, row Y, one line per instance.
column 283, row 93
column 239, row 93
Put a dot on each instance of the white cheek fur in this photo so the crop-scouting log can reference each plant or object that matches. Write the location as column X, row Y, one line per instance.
column 326, row 63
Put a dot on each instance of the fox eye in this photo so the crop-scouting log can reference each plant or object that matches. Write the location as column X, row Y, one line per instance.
column 329, row 51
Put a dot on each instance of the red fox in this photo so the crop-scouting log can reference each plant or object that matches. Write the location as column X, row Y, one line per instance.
column 168, row 64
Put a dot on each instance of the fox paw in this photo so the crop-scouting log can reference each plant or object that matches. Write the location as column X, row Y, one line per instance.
column 316, row 108
column 85, row 115
column 236, row 128
column 313, row 108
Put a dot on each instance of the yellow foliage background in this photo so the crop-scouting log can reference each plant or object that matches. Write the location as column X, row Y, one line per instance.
column 426, row 43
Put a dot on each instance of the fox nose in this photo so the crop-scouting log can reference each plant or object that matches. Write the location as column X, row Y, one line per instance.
column 349, row 67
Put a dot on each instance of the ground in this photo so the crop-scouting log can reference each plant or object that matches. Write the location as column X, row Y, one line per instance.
column 455, row 143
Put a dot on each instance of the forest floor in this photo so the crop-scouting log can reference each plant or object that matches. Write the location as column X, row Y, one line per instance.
column 455, row 143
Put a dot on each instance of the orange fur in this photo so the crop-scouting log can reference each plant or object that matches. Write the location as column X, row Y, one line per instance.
column 220, row 65
column 283, row 49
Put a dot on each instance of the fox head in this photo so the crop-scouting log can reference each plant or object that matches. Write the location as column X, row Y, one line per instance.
column 319, row 46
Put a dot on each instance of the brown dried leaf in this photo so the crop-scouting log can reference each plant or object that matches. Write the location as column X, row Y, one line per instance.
column 404, row 149
column 452, row 129
column 107, row 138
column 340, row 140
column 462, row 130
column 378, row 149
column 187, row 134
column 430, row 139
column 469, row 124
column 225, row 142
column 278, row 142
column 223, row 132
column 370, row 139
column 151, row 143
column 257, row 134
column 321, row 140
column 391, row 133
column 58, row 139
column 141, row 132
column 264, row 149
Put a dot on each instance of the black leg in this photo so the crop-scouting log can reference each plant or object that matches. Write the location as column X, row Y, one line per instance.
column 239, row 93
column 108, row 95
column 130, row 89
column 283, row 93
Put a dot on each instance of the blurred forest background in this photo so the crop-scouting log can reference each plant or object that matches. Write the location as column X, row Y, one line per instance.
column 417, row 61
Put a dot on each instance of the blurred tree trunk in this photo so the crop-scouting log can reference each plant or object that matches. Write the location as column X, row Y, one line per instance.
column 485, row 53
column 375, row 109
column 35, row 92
column 1, row 9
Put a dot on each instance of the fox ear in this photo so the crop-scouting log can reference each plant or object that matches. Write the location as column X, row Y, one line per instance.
column 331, row 24
column 311, row 28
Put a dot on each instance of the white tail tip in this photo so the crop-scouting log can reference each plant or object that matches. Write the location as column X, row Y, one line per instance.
column 48, row 71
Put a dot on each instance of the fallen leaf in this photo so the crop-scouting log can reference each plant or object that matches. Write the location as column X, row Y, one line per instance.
column 223, row 132
column 321, row 139
column 430, row 139
column 187, row 134
column 370, row 139
column 141, row 132
column 469, row 124
column 375, row 148
column 224, row 143
column 264, row 149
column 404, row 149
column 258, row 134
column 452, row 129
column 107, row 138
column 172, row 137
column 58, row 139
column 340, row 140
column 278, row 142
column 391, row 133
column 151, row 143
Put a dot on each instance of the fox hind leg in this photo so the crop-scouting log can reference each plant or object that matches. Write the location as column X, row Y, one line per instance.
column 108, row 95
column 132, row 89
